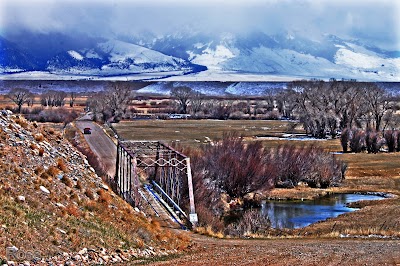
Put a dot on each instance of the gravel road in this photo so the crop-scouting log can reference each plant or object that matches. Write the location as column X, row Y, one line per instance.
column 209, row 251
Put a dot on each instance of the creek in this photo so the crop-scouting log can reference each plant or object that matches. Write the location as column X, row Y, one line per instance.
column 297, row 214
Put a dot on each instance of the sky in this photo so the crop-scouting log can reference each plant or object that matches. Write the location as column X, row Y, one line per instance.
column 376, row 22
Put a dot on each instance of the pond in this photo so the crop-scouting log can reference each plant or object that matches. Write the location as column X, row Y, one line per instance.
column 297, row 214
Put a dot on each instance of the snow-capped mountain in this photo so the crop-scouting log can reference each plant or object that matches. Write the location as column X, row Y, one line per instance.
column 115, row 57
column 202, row 57
column 288, row 54
column 93, row 57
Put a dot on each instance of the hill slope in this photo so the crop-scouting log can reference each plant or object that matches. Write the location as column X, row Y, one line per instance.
column 54, row 206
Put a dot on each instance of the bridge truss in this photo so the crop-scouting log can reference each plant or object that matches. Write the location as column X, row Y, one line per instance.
column 154, row 161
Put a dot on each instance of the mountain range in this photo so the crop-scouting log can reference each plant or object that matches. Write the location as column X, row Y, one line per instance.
column 196, row 57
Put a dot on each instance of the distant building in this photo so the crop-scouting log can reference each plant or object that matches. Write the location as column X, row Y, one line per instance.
column 178, row 116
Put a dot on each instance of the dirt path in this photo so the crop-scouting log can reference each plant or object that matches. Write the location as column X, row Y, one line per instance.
column 100, row 144
column 209, row 251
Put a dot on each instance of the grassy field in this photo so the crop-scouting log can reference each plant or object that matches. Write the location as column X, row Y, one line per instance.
column 193, row 132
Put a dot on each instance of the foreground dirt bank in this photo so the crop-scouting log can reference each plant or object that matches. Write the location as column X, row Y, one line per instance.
column 209, row 251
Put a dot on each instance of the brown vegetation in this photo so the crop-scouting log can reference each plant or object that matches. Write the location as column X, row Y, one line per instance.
column 68, row 218
column 222, row 181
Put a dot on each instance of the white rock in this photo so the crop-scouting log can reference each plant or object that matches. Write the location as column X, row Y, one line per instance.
column 21, row 198
column 12, row 249
column 104, row 187
column 61, row 231
column 60, row 205
column 45, row 190
column 82, row 251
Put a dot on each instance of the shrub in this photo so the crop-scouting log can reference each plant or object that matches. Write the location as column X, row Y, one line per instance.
column 33, row 146
column 68, row 182
column 61, row 165
column 89, row 194
column 39, row 137
column 344, row 139
column 357, row 140
column 390, row 138
column 72, row 210
column 58, row 115
column 38, row 170
column 53, row 171
column 79, row 184
column 309, row 164
column 398, row 142
column 372, row 142
column 21, row 122
column 225, row 168
column 251, row 222
column 104, row 197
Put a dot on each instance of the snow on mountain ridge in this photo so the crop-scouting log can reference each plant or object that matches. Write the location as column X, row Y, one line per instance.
column 225, row 55
column 120, row 51
column 75, row 55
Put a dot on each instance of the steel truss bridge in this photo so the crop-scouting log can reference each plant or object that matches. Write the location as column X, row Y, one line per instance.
column 157, row 170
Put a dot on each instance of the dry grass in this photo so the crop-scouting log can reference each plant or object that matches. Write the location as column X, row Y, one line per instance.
column 193, row 132
column 39, row 137
column 22, row 122
column 61, row 165
column 67, row 181
column 208, row 231
column 104, row 196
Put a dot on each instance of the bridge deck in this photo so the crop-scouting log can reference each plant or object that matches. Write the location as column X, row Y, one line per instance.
column 153, row 207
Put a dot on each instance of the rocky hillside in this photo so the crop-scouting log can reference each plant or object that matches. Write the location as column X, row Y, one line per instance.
column 55, row 209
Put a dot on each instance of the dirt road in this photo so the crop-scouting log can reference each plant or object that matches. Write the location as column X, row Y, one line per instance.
column 209, row 251
column 100, row 144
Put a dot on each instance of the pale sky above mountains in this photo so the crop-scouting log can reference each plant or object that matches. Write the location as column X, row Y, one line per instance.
column 375, row 22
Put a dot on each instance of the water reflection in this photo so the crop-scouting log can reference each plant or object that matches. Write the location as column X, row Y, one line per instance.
column 296, row 214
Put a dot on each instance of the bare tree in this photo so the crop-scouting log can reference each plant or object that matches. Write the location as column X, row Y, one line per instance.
column 111, row 103
column 72, row 97
column 327, row 107
column 117, row 98
column 19, row 96
column 182, row 96
column 97, row 105
column 378, row 102
column 53, row 98
column 196, row 102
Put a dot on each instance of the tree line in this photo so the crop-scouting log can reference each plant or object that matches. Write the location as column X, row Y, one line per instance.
column 49, row 98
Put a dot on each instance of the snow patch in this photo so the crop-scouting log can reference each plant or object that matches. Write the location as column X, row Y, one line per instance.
column 75, row 55
column 211, row 58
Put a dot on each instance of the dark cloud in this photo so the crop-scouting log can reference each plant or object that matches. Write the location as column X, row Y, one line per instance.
column 374, row 21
